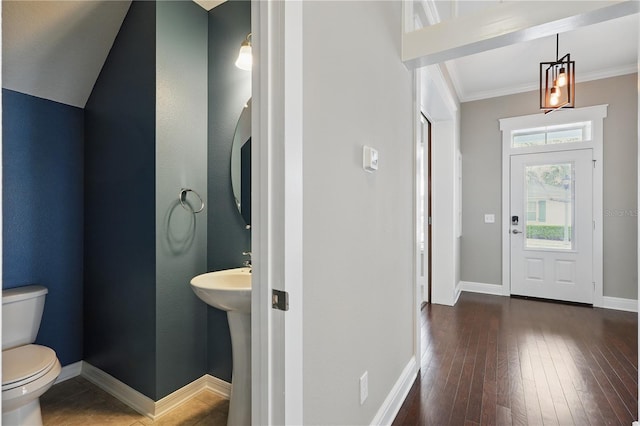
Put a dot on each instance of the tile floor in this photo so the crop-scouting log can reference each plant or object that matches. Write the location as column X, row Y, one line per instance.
column 79, row 402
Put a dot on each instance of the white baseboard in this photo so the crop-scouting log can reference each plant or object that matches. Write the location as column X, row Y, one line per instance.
column 472, row 287
column 392, row 403
column 218, row 386
column 620, row 304
column 145, row 405
column 69, row 372
column 617, row 303
column 134, row 399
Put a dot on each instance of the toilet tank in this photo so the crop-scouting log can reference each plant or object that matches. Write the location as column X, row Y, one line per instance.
column 21, row 314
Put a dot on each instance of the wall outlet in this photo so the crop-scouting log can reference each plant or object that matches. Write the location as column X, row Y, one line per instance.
column 364, row 387
column 489, row 218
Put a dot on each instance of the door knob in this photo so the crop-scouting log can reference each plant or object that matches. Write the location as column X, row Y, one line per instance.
column 515, row 231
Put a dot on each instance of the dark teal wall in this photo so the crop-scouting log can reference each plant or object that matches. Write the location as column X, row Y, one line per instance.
column 229, row 90
column 181, row 158
column 120, row 233
column 42, row 182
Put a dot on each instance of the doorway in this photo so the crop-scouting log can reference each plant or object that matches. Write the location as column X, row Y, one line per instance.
column 551, row 225
column 552, row 205
column 424, row 208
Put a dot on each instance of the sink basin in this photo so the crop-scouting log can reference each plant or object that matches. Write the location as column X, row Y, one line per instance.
column 229, row 290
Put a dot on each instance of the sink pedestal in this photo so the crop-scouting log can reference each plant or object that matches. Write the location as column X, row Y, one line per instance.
column 230, row 291
column 240, row 401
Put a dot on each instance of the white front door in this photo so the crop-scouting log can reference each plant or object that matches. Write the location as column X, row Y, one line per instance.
column 552, row 225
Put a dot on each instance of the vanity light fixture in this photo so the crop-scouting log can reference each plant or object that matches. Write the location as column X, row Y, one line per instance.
column 245, row 59
column 557, row 82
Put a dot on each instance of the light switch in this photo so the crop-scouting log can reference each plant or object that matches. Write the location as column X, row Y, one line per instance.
column 489, row 218
column 369, row 159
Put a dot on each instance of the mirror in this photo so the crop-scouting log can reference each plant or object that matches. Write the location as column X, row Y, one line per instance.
column 241, row 164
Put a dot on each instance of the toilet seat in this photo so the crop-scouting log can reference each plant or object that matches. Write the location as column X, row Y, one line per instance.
column 25, row 364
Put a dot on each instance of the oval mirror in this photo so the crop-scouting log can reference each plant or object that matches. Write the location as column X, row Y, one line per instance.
column 241, row 164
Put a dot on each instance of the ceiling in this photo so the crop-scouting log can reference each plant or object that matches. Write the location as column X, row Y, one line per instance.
column 56, row 49
column 602, row 50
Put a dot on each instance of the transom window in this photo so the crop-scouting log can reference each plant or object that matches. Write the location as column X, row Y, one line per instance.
column 551, row 135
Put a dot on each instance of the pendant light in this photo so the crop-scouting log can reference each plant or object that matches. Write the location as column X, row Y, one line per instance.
column 557, row 82
column 245, row 59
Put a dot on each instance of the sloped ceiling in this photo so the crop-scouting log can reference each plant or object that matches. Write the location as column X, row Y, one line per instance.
column 56, row 49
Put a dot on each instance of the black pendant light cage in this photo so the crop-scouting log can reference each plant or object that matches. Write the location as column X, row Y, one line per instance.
column 553, row 96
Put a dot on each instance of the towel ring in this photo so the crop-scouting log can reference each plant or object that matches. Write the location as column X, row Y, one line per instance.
column 182, row 196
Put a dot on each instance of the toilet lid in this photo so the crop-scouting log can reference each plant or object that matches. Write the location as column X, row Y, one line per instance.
column 25, row 363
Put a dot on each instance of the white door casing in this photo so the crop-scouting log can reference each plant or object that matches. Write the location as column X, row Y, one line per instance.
column 552, row 191
column 593, row 115
column 276, row 341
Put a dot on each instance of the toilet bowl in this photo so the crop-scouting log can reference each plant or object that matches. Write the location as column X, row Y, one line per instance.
column 28, row 370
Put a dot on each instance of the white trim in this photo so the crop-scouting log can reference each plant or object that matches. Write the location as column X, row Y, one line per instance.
column 457, row 294
column 472, row 287
column 503, row 25
column 145, row 405
column 596, row 114
column 69, row 372
column 185, row 393
column 394, row 400
column 277, row 371
column 134, row 399
column 218, row 386
column 615, row 303
column 620, row 304
column 528, row 87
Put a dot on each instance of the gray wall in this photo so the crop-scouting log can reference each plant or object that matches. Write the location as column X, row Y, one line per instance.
column 481, row 146
column 229, row 90
column 358, row 226
column 181, row 162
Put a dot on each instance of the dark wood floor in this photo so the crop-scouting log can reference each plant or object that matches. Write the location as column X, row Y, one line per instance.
column 494, row 360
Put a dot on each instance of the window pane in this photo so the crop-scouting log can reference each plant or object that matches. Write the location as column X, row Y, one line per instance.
column 550, row 191
column 542, row 211
column 551, row 135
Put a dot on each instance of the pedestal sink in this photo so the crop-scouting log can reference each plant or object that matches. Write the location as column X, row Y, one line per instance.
column 230, row 291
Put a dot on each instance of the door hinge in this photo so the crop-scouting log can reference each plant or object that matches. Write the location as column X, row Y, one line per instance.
column 429, row 220
column 594, row 163
column 280, row 300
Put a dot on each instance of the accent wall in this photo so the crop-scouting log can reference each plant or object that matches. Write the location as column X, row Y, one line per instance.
column 42, row 172
column 146, row 140
column 229, row 91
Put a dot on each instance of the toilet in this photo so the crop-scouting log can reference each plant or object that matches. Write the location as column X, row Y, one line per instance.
column 28, row 370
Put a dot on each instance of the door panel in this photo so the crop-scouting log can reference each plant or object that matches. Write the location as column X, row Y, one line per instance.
column 551, row 231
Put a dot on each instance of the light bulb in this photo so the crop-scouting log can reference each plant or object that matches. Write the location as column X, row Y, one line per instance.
column 245, row 59
column 561, row 81
column 554, row 96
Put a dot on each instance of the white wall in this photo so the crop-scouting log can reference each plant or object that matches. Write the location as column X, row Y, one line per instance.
column 358, row 226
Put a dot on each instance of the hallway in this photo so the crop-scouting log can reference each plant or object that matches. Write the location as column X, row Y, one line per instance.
column 494, row 360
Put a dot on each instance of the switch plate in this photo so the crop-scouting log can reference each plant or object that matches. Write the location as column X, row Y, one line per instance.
column 369, row 159
column 364, row 387
column 489, row 218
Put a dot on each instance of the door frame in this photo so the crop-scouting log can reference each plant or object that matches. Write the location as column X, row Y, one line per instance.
column 594, row 114
column 423, row 180
column 276, row 336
